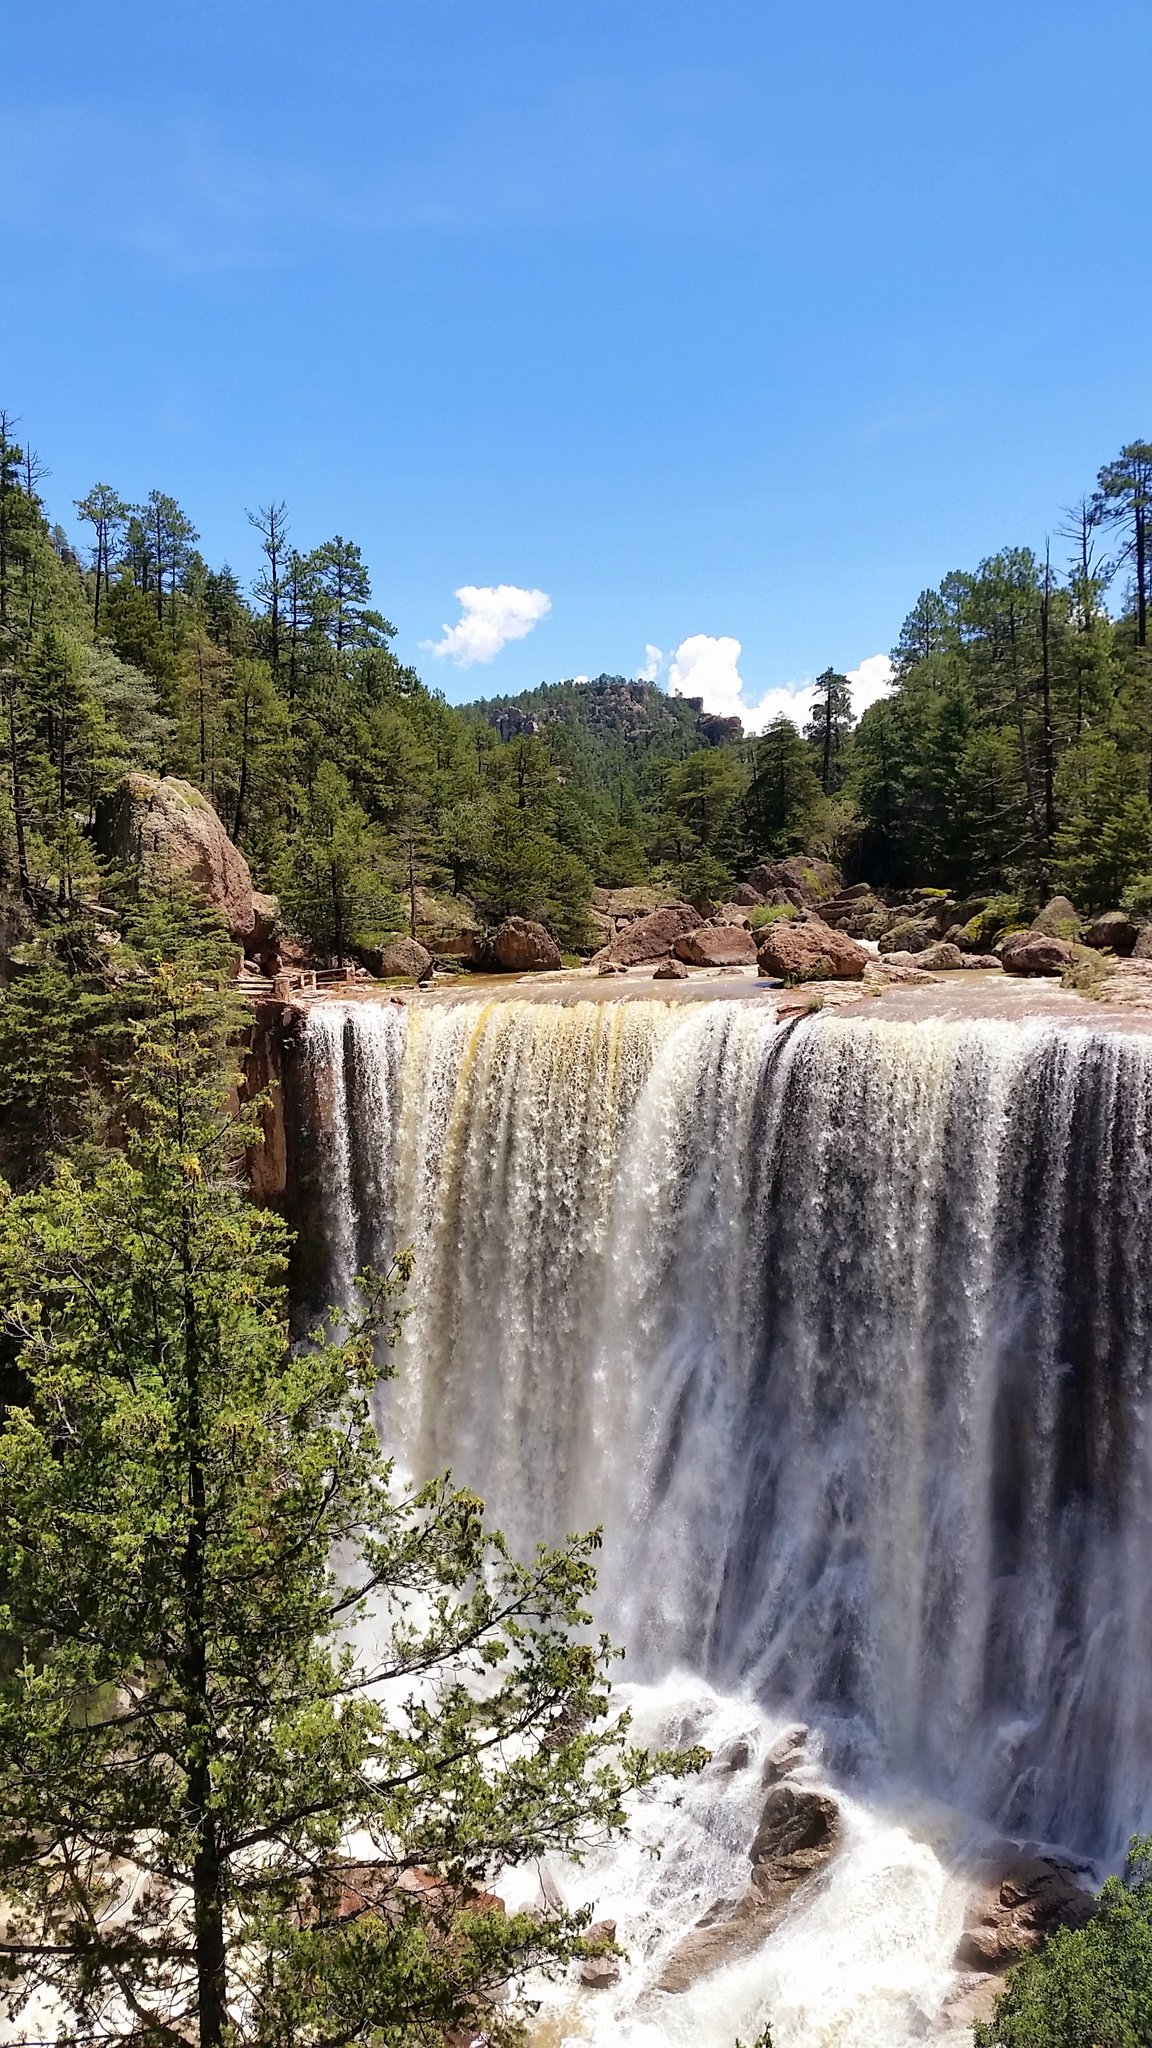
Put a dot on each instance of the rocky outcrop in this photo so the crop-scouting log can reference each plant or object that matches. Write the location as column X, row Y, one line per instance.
column 1059, row 919
column 799, row 1831
column 651, row 937
column 398, row 959
column 1112, row 932
column 804, row 882
column 810, row 951
column 166, row 828
column 717, row 945
column 1033, row 953
column 1012, row 1911
column 746, row 895
column 520, row 946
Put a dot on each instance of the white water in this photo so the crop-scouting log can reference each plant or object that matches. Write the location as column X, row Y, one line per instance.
column 842, row 1331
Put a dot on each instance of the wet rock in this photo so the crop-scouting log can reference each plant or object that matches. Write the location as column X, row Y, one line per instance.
column 736, row 1756
column 398, row 959
column 165, row 827
column 1034, row 953
column 613, row 967
column 810, row 951
column 1012, row 1911
column 520, row 946
column 600, row 1971
column 1112, row 932
column 794, row 1822
column 669, row 970
column 894, row 967
column 983, row 961
column 941, row 958
column 1059, row 919
column 786, row 1754
column 717, row 945
column 653, row 936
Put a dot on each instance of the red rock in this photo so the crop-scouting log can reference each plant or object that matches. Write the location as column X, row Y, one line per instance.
column 717, row 945
column 521, row 946
column 652, row 937
column 1034, row 953
column 166, row 827
column 811, row 951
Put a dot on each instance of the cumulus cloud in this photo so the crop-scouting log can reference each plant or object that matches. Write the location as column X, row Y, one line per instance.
column 492, row 615
column 653, row 663
column 707, row 666
column 871, row 681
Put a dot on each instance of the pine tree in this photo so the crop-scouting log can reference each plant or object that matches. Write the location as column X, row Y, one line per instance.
column 197, row 1526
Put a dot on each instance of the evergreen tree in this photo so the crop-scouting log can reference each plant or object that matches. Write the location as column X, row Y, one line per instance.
column 829, row 726
column 1088, row 1987
column 196, row 1526
column 781, row 803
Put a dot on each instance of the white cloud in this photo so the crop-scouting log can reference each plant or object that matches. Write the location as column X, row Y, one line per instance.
column 871, row 681
column 707, row 666
column 653, row 663
column 493, row 614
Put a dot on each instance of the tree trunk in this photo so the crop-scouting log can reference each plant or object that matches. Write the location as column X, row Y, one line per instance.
column 1141, row 576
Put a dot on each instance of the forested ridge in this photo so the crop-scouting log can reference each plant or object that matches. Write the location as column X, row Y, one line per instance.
column 1013, row 754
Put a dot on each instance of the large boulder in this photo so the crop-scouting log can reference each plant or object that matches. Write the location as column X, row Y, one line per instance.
column 942, row 958
column 1112, row 932
column 799, row 1830
column 746, row 895
column 520, row 946
column 651, row 937
column 166, row 828
column 670, row 969
column 717, row 945
column 811, row 951
column 910, row 935
column 398, row 959
column 1013, row 1910
column 804, row 881
column 1059, row 919
column 1034, row 953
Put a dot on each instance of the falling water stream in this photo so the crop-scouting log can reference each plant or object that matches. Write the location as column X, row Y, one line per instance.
column 841, row 1328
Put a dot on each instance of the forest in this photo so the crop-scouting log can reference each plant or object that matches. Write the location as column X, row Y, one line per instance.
column 1014, row 753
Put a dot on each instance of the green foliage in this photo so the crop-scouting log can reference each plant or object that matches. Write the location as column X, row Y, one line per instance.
column 331, row 880
column 782, row 801
column 763, row 914
column 197, row 1526
column 1107, row 840
column 1089, row 1987
column 1136, row 899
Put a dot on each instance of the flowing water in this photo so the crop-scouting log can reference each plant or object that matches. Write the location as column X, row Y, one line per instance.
column 841, row 1328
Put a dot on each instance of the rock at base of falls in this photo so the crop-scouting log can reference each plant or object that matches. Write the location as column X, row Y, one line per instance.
column 1014, row 1908
column 598, row 1972
column 786, row 1755
column 798, row 1833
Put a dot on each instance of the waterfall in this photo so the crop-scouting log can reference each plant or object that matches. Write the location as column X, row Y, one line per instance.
column 841, row 1329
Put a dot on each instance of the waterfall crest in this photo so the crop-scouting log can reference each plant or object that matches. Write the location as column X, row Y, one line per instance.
column 840, row 1327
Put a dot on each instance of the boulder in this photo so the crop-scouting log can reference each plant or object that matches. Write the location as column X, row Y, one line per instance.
column 894, row 967
column 520, row 946
column 717, row 945
column 942, row 958
column 786, row 1754
column 1112, row 932
column 399, row 959
column 1012, row 1911
column 1034, row 953
column 166, row 828
column 910, row 935
column 982, row 960
column 794, row 1821
column 1142, row 950
column 668, row 970
column 1059, row 919
column 613, row 967
column 803, row 881
column 602, row 1970
column 653, row 936
column 746, row 895
column 811, row 951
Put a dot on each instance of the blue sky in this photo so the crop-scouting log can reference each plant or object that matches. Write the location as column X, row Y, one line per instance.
column 737, row 322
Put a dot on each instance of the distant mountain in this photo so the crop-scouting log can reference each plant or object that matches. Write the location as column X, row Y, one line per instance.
column 609, row 729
